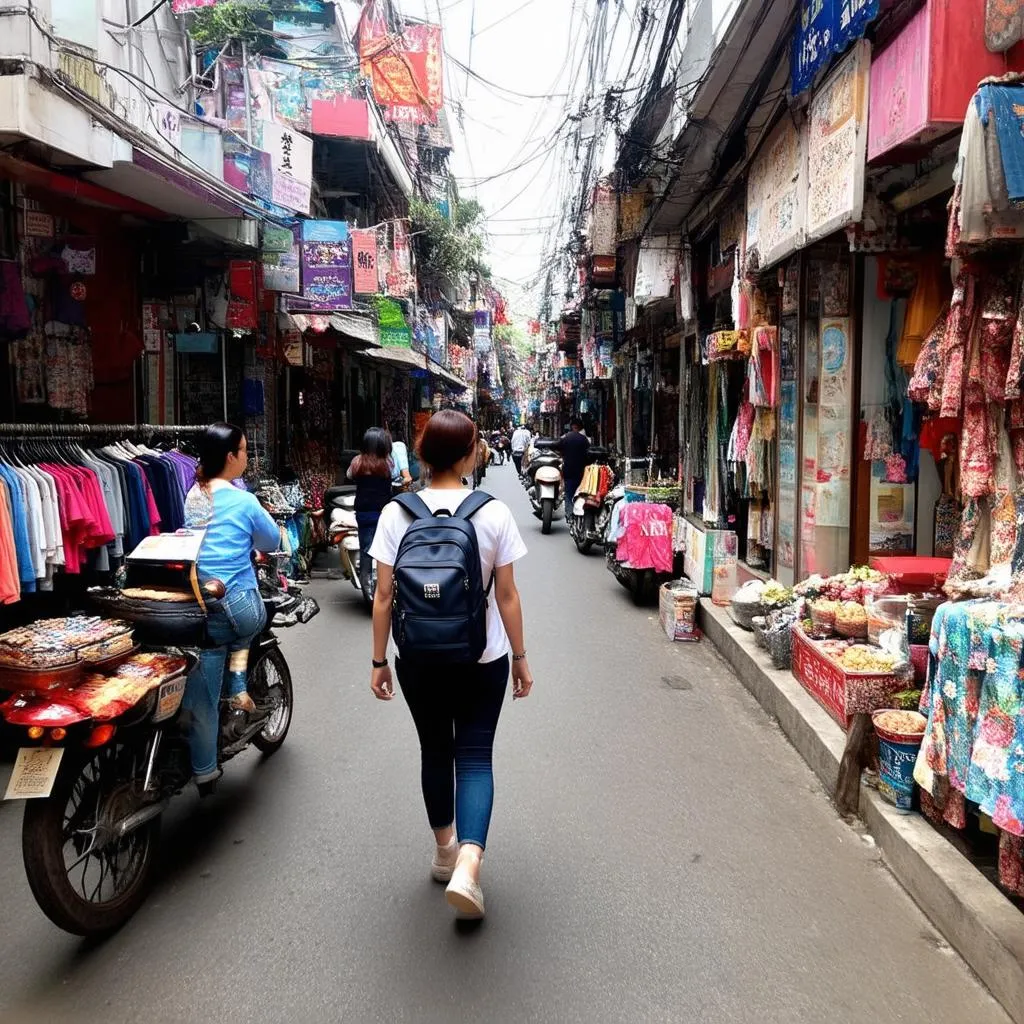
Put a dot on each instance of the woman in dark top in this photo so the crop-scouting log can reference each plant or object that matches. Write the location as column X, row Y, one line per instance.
column 371, row 470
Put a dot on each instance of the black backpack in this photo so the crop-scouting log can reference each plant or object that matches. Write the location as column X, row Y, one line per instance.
column 439, row 608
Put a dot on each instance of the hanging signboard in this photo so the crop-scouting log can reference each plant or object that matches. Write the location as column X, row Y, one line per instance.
column 364, row 262
column 405, row 70
column 281, row 259
column 825, row 28
column 183, row 6
column 603, row 222
column 291, row 165
column 777, row 195
column 837, row 146
column 326, row 266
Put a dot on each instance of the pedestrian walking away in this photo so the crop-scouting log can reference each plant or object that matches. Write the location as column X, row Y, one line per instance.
column 372, row 470
column 455, row 704
column 521, row 438
column 574, row 447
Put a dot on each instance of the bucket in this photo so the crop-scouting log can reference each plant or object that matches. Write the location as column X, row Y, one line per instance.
column 897, row 755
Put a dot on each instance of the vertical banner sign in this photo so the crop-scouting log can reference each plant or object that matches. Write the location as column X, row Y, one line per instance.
column 326, row 265
column 291, row 165
column 364, row 262
column 777, row 195
column 405, row 70
column 242, row 295
column 826, row 27
column 837, row 146
column 603, row 221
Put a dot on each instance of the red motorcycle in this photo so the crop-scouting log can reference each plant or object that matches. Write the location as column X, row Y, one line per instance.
column 105, row 748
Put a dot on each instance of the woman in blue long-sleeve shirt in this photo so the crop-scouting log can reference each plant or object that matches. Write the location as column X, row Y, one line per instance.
column 236, row 524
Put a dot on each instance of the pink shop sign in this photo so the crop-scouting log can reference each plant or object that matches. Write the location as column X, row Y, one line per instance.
column 899, row 87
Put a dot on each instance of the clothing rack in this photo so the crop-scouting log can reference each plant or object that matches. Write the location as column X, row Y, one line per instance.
column 69, row 430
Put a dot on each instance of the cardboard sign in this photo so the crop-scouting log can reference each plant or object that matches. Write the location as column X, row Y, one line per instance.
column 38, row 225
column 35, row 772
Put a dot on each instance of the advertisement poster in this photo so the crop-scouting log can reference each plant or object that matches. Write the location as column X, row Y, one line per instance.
column 837, row 146
column 281, row 259
column 825, row 28
column 326, row 266
column 364, row 262
column 835, row 364
column 893, row 515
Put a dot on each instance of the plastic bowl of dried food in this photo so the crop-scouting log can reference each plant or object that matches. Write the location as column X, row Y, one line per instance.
column 900, row 734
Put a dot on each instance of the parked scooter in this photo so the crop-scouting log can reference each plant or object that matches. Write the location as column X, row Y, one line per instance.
column 343, row 533
column 543, row 480
column 592, row 513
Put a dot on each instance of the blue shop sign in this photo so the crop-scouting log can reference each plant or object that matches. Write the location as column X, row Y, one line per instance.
column 826, row 27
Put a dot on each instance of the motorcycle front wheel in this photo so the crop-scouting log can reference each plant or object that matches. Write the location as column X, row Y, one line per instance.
column 86, row 878
column 547, row 510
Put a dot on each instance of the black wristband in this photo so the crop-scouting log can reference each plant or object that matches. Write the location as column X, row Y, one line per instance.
column 519, row 657
column 380, row 664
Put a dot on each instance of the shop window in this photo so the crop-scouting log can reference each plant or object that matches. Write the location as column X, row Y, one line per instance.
column 77, row 21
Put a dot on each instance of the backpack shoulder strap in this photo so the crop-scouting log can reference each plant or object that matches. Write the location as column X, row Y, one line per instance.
column 473, row 504
column 414, row 505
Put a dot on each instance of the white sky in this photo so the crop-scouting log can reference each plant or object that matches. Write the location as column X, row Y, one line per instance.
column 524, row 46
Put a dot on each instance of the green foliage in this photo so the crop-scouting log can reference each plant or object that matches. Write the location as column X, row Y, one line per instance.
column 241, row 20
column 448, row 248
column 512, row 337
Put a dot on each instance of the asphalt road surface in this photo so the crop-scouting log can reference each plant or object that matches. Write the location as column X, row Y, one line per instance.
column 658, row 853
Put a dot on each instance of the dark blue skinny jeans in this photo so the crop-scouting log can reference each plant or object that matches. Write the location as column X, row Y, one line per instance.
column 231, row 627
column 456, row 709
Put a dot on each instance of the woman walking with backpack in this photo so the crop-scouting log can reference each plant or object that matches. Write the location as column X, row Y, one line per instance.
column 371, row 470
column 440, row 555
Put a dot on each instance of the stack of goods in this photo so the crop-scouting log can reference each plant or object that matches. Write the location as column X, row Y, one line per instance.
column 597, row 481
column 837, row 657
column 59, row 643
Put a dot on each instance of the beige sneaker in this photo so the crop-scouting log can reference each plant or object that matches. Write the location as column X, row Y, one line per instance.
column 466, row 897
column 443, row 864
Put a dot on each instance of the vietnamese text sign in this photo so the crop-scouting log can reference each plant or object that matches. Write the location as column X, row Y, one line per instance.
column 281, row 262
column 825, row 28
column 836, row 146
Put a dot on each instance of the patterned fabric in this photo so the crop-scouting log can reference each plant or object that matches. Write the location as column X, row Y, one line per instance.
column 953, row 349
column 1004, row 24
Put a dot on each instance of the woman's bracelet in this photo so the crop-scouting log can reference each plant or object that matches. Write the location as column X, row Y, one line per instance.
column 519, row 657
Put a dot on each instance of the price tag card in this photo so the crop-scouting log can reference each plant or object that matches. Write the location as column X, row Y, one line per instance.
column 35, row 771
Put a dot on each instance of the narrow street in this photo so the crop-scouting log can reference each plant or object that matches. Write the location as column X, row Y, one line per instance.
column 658, row 853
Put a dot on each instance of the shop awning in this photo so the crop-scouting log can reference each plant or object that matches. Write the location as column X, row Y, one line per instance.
column 361, row 328
column 396, row 356
column 443, row 374
column 175, row 191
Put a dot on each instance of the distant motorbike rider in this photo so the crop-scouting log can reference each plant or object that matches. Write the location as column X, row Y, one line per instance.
column 574, row 448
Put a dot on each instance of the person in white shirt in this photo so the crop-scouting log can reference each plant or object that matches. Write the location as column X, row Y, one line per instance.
column 521, row 438
column 456, row 706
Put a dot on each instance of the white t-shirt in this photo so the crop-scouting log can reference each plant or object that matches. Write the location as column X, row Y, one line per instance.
column 497, row 536
column 520, row 440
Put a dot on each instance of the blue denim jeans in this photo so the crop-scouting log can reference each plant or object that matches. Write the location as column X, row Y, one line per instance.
column 231, row 627
column 456, row 709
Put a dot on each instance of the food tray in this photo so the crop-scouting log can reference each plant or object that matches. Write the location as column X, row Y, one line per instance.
column 114, row 661
column 28, row 680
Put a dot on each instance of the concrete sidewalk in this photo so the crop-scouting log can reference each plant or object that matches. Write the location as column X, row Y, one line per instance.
column 985, row 928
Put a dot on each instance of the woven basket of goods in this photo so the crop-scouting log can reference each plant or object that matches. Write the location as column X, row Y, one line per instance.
column 823, row 616
column 852, row 621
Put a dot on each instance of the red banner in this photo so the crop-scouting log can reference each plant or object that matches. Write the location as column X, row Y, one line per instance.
column 364, row 262
column 405, row 69
column 181, row 6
